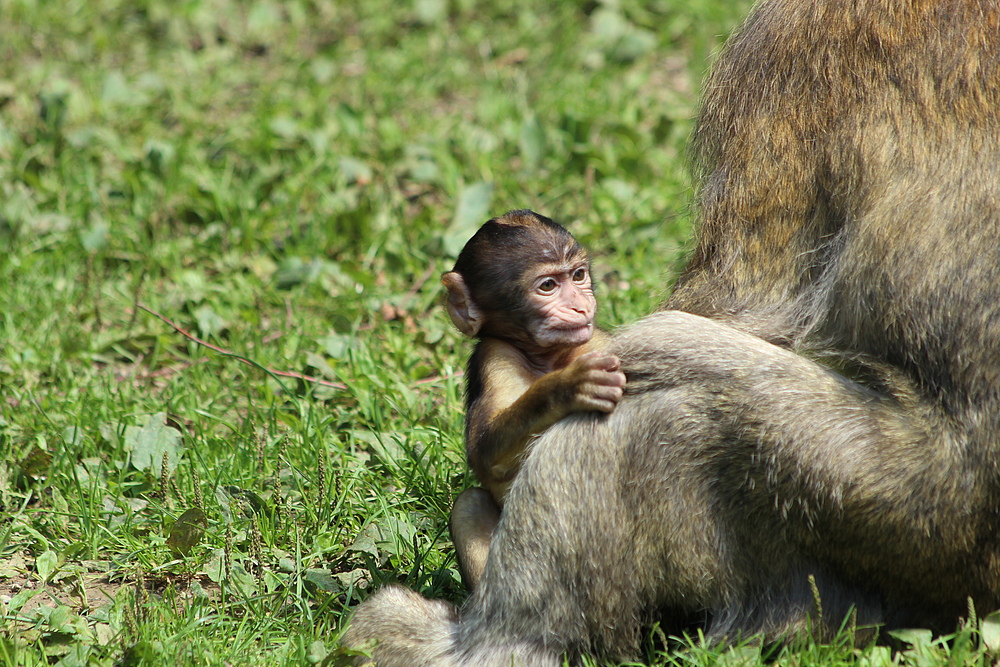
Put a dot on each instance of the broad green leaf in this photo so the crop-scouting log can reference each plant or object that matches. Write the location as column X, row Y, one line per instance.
column 317, row 652
column 46, row 564
column 242, row 580
column 622, row 191
column 21, row 598
column 95, row 236
column 115, row 90
column 79, row 654
column 430, row 12
column 421, row 164
column 391, row 535
column 13, row 566
column 209, row 322
column 215, row 568
column 322, row 579
column 617, row 37
column 877, row 656
column 111, row 433
column 249, row 502
column 633, row 44
column 104, row 633
column 187, row 531
column 990, row 631
column 916, row 637
column 284, row 127
column 61, row 619
column 263, row 19
column 354, row 170
column 72, row 437
column 294, row 271
column 143, row 653
column 148, row 444
column 353, row 578
column 365, row 543
column 739, row 656
column 338, row 345
column 472, row 211
column 36, row 463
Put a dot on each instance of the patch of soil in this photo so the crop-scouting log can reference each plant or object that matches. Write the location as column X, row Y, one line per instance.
column 81, row 586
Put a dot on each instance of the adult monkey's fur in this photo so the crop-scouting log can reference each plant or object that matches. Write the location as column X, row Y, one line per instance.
column 847, row 156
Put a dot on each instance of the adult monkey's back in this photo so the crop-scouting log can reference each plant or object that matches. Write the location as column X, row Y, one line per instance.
column 847, row 160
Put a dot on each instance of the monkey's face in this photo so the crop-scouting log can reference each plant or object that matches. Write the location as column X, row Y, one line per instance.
column 561, row 303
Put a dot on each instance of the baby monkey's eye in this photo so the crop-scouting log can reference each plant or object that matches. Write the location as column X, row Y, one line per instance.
column 580, row 275
column 548, row 286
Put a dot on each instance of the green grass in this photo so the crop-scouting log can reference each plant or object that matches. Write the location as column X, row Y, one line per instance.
column 286, row 181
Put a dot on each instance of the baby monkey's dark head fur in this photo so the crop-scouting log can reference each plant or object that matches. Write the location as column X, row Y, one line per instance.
column 504, row 248
column 499, row 273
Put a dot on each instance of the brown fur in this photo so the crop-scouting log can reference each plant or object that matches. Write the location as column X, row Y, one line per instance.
column 829, row 405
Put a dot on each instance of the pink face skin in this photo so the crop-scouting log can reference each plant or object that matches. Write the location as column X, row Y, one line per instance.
column 563, row 298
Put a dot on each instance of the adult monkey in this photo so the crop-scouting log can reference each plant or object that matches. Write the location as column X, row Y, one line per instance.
column 850, row 211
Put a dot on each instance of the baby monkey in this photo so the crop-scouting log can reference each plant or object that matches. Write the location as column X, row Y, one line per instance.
column 522, row 286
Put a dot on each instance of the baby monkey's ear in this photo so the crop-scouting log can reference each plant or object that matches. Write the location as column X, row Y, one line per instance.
column 463, row 310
